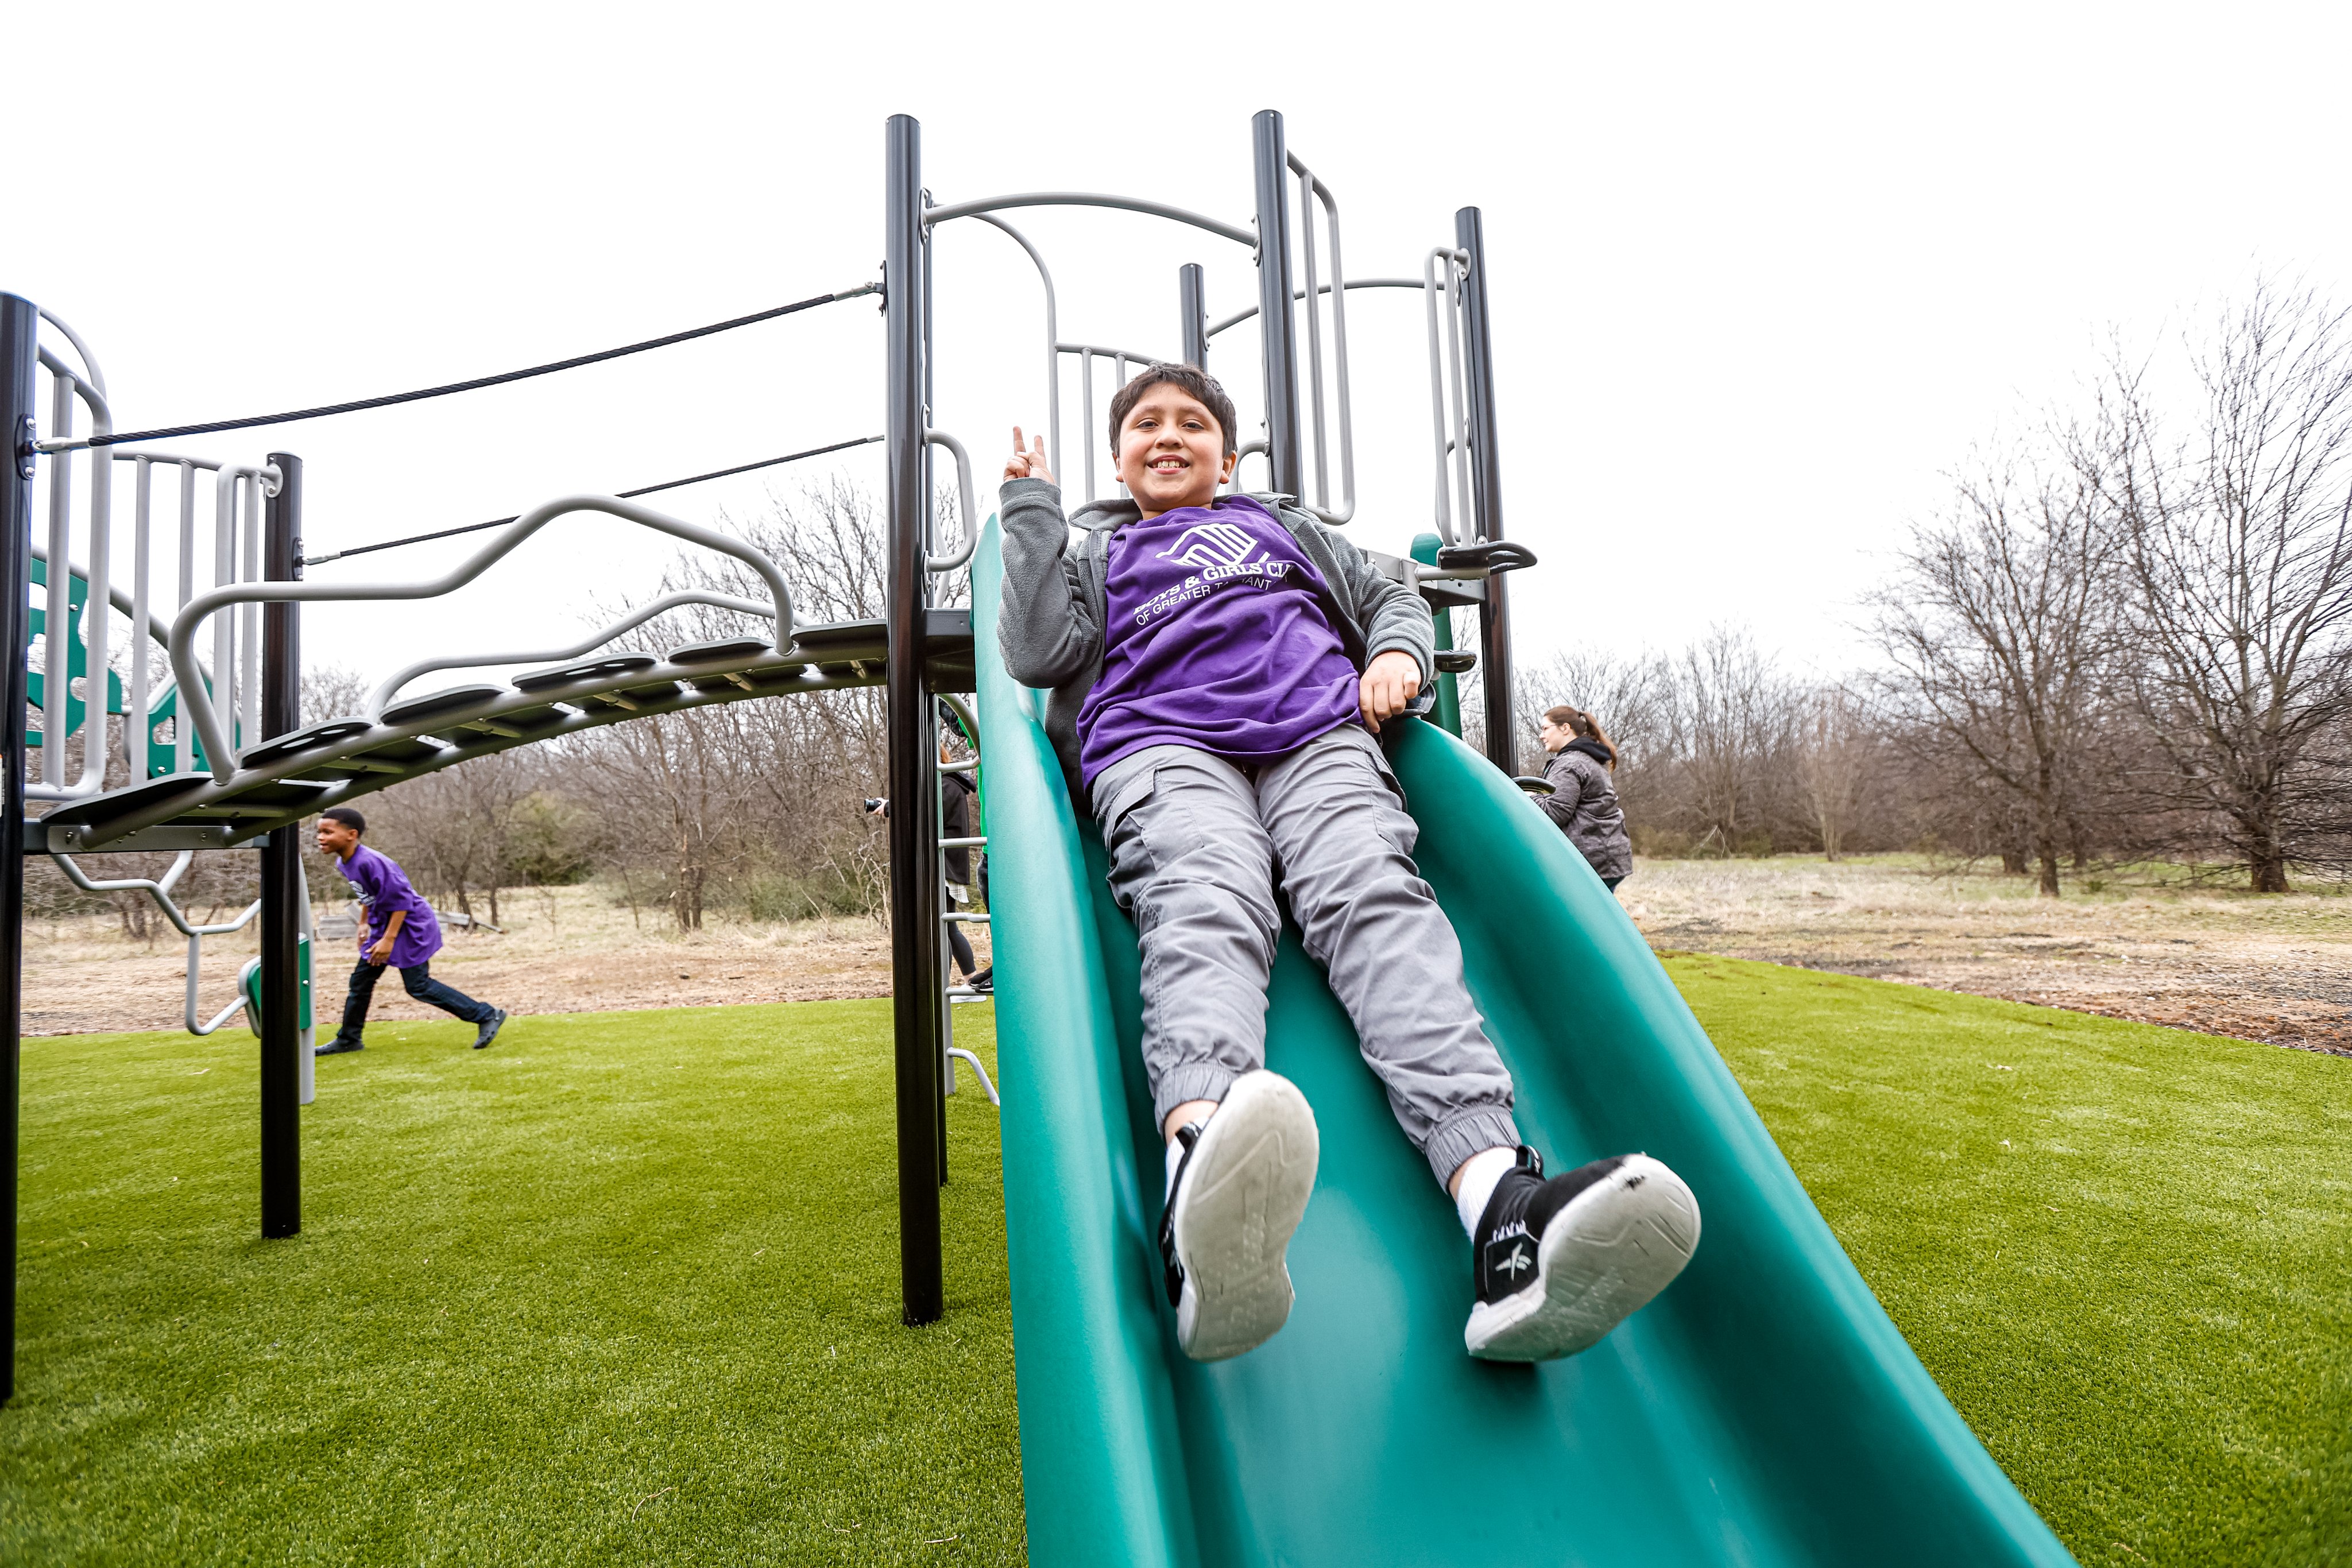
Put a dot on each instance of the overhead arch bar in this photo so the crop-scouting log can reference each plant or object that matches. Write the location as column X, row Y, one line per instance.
column 1233, row 232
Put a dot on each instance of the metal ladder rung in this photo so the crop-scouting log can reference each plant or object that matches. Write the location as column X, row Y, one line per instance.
column 968, row 919
column 961, row 844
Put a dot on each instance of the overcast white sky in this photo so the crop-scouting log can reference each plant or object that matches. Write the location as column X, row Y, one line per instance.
column 1760, row 275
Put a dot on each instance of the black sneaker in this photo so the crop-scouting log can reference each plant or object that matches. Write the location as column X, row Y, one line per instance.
column 490, row 1031
column 336, row 1047
column 984, row 981
column 1241, row 1190
column 1558, row 1263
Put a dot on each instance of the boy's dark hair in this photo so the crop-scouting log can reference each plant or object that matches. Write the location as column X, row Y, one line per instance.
column 348, row 817
column 1189, row 379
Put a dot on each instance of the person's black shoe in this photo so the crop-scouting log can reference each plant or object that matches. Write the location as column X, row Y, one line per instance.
column 1241, row 1190
column 1557, row 1264
column 491, row 1027
column 336, row 1047
column 984, row 981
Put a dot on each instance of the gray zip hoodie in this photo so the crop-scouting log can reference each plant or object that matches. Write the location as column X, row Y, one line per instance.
column 1050, row 626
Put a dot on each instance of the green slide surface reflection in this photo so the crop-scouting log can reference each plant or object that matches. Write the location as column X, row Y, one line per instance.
column 1764, row 1410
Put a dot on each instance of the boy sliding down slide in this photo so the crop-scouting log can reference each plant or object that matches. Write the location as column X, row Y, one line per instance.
column 1218, row 670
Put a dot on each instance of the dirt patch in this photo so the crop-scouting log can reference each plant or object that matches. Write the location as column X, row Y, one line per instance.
column 2277, row 969
column 561, row 951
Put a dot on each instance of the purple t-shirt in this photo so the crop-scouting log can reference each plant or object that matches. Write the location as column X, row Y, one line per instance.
column 1214, row 637
column 380, row 887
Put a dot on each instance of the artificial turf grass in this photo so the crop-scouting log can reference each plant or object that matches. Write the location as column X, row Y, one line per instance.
column 2161, row 1364
column 623, row 1288
column 2123, row 1250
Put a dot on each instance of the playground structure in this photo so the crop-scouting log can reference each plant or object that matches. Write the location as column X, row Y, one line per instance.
column 1764, row 1410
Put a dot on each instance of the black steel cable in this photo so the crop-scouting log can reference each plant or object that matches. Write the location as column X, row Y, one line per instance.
column 479, row 382
column 625, row 494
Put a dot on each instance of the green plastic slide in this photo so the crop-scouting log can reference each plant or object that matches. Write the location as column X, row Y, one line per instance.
column 1764, row 1410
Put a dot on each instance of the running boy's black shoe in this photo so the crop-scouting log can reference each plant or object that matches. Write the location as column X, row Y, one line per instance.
column 1241, row 1190
column 491, row 1027
column 336, row 1047
column 1558, row 1263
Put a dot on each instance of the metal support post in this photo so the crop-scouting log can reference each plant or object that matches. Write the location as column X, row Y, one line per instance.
column 281, row 873
column 1193, row 319
column 1448, row 712
column 20, row 327
column 1487, row 492
column 1278, row 331
column 914, row 823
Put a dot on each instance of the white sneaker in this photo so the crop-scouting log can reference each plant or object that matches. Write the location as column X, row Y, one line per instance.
column 1241, row 1189
column 1557, row 1264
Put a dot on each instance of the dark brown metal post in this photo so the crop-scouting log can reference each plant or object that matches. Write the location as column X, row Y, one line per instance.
column 1486, row 493
column 20, row 326
column 1277, row 332
column 1192, row 315
column 281, row 873
column 916, row 1001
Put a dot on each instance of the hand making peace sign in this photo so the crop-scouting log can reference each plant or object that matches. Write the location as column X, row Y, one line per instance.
column 1029, row 464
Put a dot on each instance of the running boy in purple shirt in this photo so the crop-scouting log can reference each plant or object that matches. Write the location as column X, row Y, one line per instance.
column 400, row 930
column 1218, row 669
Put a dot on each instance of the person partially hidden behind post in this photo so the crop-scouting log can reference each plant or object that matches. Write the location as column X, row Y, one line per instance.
column 399, row 930
column 1218, row 668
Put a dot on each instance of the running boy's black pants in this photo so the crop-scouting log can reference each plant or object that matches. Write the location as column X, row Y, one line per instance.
column 418, row 980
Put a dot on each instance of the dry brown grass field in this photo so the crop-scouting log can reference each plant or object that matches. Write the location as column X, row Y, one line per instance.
column 562, row 950
column 2212, row 958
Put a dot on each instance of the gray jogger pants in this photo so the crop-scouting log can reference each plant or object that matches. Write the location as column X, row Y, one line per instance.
column 1194, row 843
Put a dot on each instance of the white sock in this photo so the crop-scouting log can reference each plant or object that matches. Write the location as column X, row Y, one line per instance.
column 1481, row 1174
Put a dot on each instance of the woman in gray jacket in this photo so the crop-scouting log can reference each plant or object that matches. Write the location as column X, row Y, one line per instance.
column 1583, row 801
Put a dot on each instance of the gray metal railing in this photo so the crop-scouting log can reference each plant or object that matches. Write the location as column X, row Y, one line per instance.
column 222, row 755
column 1310, row 192
column 1441, row 272
column 1233, row 232
column 237, row 491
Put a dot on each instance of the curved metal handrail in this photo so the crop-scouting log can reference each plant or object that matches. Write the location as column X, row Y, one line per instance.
column 160, row 890
column 939, row 563
column 557, row 710
column 1232, row 232
column 380, row 698
column 203, row 606
column 89, row 360
column 1238, row 317
column 1053, row 340
column 1311, row 191
column 1456, row 442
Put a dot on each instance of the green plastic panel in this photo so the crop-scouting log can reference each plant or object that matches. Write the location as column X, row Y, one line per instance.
column 161, row 756
column 1764, row 1410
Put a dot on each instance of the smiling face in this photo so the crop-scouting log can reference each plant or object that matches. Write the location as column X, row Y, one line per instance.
column 338, row 839
column 1171, row 451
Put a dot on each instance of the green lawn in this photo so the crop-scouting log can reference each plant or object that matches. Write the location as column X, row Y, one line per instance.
column 2123, row 1250
column 623, row 1288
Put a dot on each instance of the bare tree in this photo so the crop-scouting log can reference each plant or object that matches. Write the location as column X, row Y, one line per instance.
column 1997, row 628
column 1832, row 751
column 2237, row 537
column 1729, row 711
column 1628, row 695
